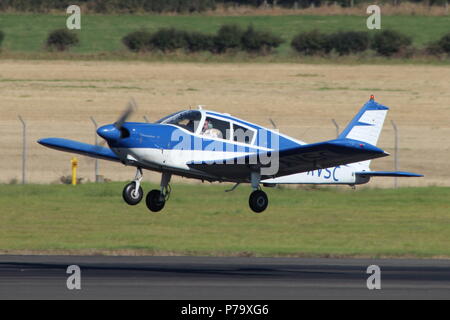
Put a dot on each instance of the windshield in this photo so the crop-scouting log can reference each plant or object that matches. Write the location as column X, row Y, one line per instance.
column 188, row 119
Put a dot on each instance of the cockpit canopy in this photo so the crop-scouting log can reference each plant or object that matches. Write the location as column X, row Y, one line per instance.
column 213, row 126
column 187, row 119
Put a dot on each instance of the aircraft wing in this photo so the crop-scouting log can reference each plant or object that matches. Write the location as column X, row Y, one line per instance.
column 296, row 160
column 80, row 148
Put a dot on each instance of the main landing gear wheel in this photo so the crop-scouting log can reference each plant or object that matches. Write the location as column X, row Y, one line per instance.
column 155, row 201
column 258, row 201
column 131, row 195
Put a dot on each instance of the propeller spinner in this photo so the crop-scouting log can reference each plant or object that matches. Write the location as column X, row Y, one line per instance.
column 116, row 131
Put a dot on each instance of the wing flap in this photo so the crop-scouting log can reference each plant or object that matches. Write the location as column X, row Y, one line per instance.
column 79, row 148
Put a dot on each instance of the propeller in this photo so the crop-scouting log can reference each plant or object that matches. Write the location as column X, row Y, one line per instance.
column 115, row 131
column 131, row 107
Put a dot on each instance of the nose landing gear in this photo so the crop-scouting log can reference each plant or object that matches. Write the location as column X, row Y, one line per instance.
column 156, row 199
column 133, row 193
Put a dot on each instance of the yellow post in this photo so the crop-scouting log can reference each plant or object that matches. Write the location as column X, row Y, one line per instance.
column 74, row 163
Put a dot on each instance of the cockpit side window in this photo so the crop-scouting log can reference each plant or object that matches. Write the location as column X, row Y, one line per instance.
column 188, row 119
column 242, row 134
column 216, row 128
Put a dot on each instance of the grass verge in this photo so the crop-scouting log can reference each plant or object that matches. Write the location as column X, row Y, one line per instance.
column 203, row 220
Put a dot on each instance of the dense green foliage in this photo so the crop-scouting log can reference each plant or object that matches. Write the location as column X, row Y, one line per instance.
column 180, row 6
column 444, row 43
column 169, row 39
column 138, row 40
column 350, row 42
column 228, row 38
column 390, row 42
column 259, row 41
column 197, row 41
column 110, row 6
column 384, row 43
column 62, row 39
column 311, row 43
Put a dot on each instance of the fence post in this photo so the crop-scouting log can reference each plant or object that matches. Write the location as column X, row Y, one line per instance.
column 395, row 151
column 24, row 149
column 337, row 127
column 96, row 143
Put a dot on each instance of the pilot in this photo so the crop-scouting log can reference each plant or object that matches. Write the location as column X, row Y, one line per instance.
column 209, row 131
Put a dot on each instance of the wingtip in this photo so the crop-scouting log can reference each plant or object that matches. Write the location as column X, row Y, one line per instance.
column 45, row 141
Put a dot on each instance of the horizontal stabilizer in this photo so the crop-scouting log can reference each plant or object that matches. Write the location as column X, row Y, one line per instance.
column 79, row 148
column 388, row 174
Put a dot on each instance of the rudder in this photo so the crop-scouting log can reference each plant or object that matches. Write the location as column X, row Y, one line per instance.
column 366, row 126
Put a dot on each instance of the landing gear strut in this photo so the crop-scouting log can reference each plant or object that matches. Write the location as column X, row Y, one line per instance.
column 133, row 193
column 258, row 200
column 156, row 199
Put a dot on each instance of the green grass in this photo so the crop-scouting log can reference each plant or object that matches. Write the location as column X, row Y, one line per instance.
column 204, row 220
column 103, row 33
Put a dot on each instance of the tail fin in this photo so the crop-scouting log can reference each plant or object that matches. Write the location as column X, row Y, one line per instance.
column 367, row 124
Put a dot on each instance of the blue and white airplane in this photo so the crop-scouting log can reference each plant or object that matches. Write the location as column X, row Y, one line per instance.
column 213, row 146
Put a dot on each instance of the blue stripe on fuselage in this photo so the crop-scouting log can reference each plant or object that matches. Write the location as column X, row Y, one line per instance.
column 165, row 136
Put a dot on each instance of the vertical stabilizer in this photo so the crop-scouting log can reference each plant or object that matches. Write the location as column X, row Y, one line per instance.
column 367, row 124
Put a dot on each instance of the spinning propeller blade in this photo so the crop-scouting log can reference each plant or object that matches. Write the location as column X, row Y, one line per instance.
column 131, row 107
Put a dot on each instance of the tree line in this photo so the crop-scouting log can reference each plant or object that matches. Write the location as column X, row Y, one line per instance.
column 179, row 6
column 233, row 38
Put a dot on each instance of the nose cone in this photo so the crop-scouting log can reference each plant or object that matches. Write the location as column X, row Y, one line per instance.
column 109, row 132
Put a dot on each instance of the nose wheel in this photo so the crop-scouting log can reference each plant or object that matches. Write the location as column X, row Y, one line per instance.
column 132, row 193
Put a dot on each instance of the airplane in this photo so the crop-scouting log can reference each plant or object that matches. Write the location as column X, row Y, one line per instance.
column 212, row 146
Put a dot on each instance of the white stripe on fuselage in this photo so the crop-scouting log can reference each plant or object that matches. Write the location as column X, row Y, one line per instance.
column 176, row 158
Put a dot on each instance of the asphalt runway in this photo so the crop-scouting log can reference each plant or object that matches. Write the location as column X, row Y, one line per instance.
column 228, row 278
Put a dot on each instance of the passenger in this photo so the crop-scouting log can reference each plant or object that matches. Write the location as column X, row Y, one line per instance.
column 206, row 126
column 209, row 131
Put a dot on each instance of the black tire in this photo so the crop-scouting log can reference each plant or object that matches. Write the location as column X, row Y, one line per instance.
column 129, row 196
column 154, row 202
column 258, row 201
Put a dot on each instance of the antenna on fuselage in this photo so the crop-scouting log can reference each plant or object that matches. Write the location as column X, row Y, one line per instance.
column 273, row 123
